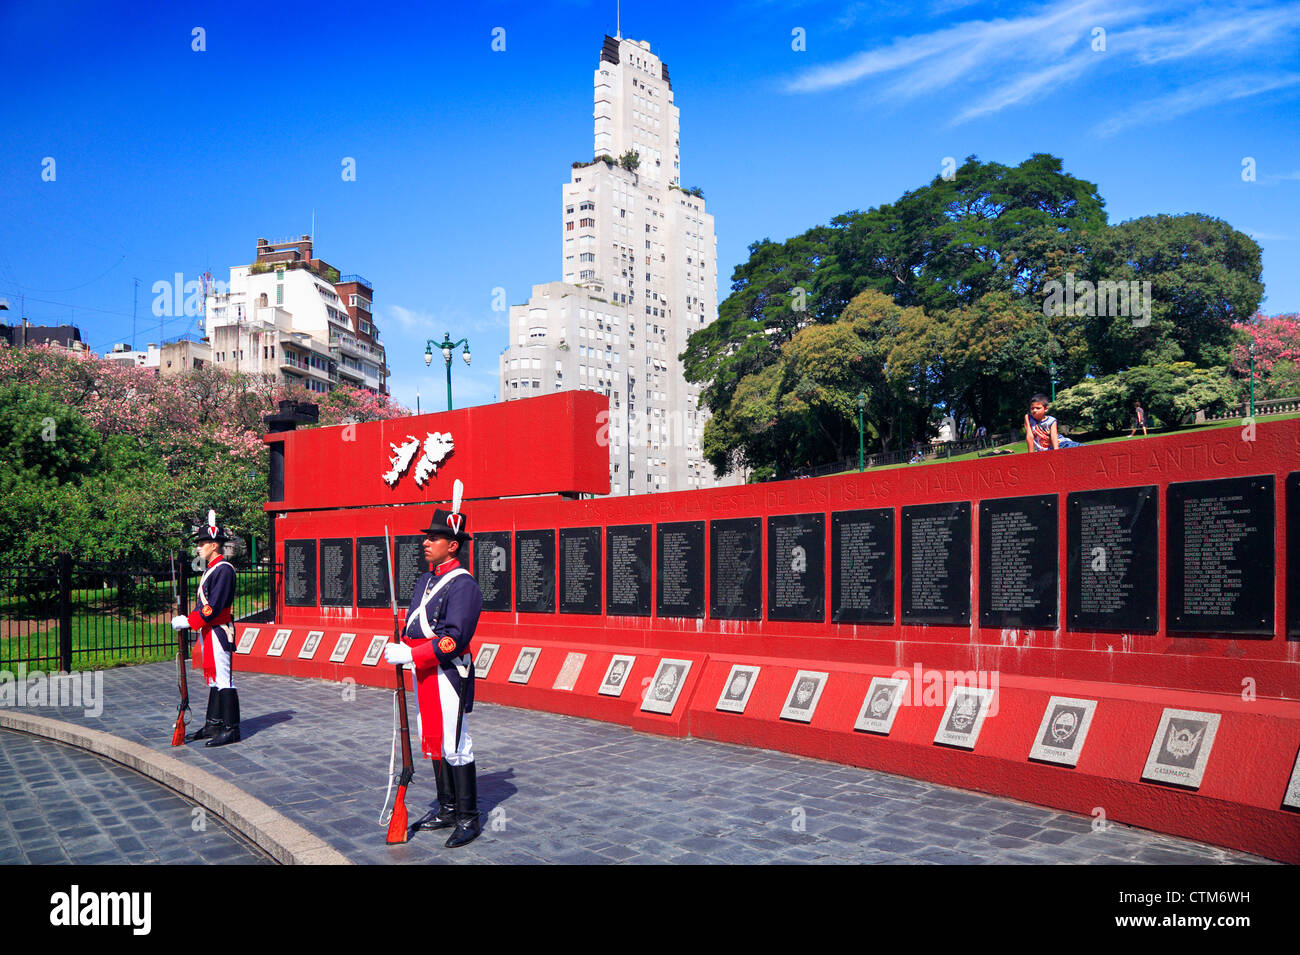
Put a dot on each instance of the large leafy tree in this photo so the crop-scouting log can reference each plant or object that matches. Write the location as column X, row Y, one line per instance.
column 988, row 228
column 1205, row 276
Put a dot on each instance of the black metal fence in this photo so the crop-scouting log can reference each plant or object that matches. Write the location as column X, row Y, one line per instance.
column 80, row 615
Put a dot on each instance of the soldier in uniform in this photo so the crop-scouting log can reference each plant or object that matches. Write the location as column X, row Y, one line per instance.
column 213, row 620
column 440, row 624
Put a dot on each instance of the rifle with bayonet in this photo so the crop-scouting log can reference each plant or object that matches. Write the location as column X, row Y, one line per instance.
column 397, row 831
column 182, row 683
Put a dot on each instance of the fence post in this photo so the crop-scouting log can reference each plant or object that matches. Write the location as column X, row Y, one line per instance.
column 65, row 613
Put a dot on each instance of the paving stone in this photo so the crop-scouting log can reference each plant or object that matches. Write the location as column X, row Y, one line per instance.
column 566, row 790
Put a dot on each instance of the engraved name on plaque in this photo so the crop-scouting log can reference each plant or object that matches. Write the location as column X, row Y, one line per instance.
column 1220, row 556
column 1293, row 555
column 1018, row 562
column 862, row 566
column 372, row 573
column 300, row 573
column 736, row 569
column 935, row 563
column 796, row 567
column 336, row 572
column 627, row 570
column 492, row 569
column 580, row 570
column 408, row 565
column 1111, row 580
column 535, row 571
column 680, row 590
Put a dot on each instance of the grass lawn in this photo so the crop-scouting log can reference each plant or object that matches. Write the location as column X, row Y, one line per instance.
column 1019, row 446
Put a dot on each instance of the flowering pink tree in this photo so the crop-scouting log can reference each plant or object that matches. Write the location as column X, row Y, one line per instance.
column 1277, row 354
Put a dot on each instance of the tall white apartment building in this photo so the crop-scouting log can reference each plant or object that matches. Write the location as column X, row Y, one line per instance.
column 640, row 273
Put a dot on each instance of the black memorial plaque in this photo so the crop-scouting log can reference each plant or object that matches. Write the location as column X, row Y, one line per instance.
column 627, row 570
column 300, row 573
column 1019, row 565
column 796, row 567
column 1293, row 554
column 1220, row 556
column 492, row 569
column 935, row 563
column 372, row 572
column 336, row 572
column 862, row 566
column 736, row 569
column 680, row 558
column 408, row 565
column 580, row 570
column 1111, row 580
column 535, row 571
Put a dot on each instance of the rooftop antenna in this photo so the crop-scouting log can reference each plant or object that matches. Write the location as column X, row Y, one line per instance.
column 618, row 19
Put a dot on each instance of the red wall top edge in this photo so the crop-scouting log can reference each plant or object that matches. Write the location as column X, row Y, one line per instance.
column 548, row 445
column 1159, row 461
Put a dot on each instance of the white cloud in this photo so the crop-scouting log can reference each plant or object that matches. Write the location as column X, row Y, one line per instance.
column 1196, row 97
column 990, row 65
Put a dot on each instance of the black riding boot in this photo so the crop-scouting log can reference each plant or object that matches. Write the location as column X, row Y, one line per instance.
column 445, row 817
column 229, row 702
column 465, row 781
column 211, row 723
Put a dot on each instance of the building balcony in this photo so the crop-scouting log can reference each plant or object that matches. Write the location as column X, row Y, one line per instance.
column 359, row 279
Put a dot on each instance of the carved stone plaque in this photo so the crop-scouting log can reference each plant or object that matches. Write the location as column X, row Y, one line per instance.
column 1111, row 578
column 885, row 697
column 408, row 565
column 1063, row 730
column 492, row 569
column 580, row 566
column 1181, row 748
column 862, row 566
column 336, row 572
column 736, row 569
column 680, row 580
column 1293, row 554
column 372, row 572
column 1018, row 562
column 796, row 567
column 935, row 563
column 735, row 692
column 1220, row 556
column 627, row 570
column 300, row 573
column 535, row 571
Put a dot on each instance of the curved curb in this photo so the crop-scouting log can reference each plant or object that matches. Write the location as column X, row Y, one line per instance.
column 284, row 840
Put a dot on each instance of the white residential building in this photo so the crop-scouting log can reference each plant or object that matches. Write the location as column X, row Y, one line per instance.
column 295, row 317
column 639, row 267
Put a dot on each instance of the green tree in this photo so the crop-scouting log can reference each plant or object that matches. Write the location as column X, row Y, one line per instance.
column 1204, row 275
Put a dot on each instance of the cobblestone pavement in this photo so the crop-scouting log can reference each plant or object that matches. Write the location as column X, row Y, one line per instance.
column 64, row 805
column 560, row 789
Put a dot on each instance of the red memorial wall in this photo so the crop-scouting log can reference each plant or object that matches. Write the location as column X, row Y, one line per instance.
column 1108, row 630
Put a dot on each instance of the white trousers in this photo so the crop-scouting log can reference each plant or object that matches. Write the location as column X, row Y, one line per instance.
column 454, row 752
column 222, row 660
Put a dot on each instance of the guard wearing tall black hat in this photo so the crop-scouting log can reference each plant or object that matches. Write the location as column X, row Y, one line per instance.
column 440, row 625
column 213, row 620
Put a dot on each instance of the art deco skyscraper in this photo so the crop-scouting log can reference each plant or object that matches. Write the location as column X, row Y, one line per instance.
column 639, row 267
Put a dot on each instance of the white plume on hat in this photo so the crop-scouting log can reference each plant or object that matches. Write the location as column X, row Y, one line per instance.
column 457, row 492
column 212, row 518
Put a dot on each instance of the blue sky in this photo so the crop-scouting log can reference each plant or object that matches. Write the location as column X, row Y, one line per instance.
column 168, row 159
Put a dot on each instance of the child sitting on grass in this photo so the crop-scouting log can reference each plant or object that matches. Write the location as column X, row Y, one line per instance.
column 1040, row 428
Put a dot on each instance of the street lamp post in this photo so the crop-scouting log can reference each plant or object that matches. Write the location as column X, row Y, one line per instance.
column 1252, row 380
column 862, row 407
column 446, row 345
